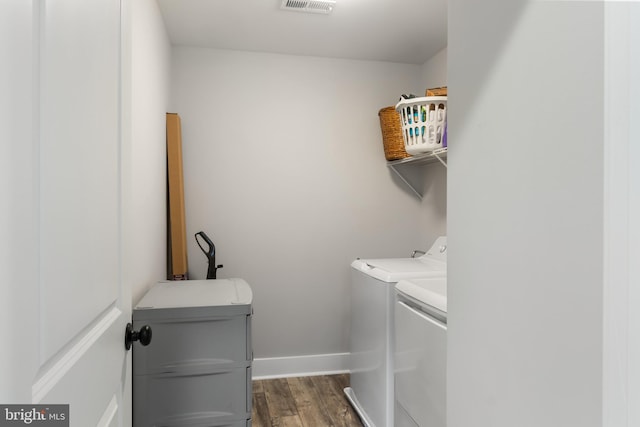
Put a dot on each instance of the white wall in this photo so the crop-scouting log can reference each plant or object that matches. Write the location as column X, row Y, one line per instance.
column 433, row 215
column 525, row 214
column 434, row 71
column 151, row 53
column 284, row 170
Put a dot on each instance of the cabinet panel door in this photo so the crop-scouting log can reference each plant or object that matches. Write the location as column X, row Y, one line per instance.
column 192, row 344
column 215, row 399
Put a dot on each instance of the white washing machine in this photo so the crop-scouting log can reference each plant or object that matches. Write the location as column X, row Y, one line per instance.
column 372, row 305
column 420, row 354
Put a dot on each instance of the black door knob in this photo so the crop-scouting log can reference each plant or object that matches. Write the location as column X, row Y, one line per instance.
column 144, row 335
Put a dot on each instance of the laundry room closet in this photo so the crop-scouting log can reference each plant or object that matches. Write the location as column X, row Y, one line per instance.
column 284, row 168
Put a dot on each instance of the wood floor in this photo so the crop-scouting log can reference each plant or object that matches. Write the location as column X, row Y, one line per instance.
column 303, row 402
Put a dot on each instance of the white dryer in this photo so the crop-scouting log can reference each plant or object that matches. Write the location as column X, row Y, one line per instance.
column 421, row 353
column 372, row 328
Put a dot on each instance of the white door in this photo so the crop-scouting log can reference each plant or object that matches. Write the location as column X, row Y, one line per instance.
column 62, row 214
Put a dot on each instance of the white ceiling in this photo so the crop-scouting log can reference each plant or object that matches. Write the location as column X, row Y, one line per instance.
column 409, row 31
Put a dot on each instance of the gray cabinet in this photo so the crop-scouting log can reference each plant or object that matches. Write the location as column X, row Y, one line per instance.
column 197, row 369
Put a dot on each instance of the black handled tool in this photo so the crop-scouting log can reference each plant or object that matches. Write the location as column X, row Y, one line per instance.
column 210, row 253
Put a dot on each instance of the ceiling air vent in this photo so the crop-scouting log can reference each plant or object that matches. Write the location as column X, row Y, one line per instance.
column 309, row 6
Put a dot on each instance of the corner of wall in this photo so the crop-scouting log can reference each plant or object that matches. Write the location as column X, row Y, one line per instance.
column 434, row 70
column 150, row 91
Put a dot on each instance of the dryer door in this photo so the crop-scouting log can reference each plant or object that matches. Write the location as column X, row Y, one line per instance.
column 420, row 367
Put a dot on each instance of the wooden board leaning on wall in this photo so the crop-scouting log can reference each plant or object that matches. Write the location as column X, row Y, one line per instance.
column 176, row 224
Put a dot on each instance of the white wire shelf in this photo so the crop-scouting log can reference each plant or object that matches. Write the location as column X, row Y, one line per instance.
column 432, row 157
column 412, row 176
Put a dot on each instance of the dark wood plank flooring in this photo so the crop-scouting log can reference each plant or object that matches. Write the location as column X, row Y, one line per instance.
column 303, row 402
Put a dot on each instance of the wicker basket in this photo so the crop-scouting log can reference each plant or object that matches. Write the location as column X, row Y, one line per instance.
column 392, row 140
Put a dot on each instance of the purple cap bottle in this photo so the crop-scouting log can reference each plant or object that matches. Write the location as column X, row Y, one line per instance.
column 444, row 137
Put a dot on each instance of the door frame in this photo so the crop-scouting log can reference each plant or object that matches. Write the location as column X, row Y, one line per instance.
column 621, row 299
column 126, row 194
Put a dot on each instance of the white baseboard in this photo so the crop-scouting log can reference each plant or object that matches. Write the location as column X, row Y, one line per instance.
column 300, row 366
